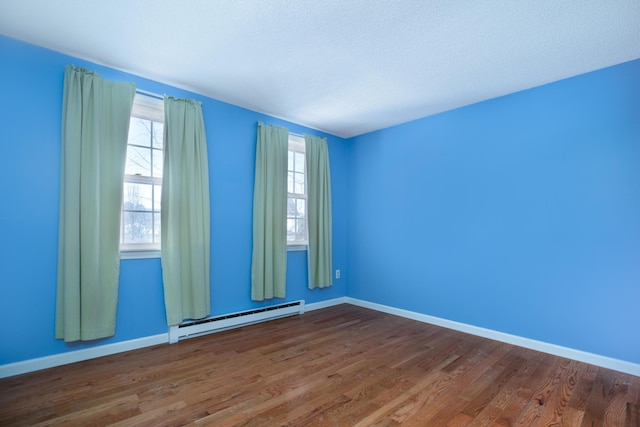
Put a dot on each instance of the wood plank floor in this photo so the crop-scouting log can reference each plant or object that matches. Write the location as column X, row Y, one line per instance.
column 340, row 366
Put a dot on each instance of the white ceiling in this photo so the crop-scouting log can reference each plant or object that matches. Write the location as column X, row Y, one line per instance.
column 346, row 67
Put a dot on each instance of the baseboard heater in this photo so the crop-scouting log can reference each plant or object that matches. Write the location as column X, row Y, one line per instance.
column 194, row 328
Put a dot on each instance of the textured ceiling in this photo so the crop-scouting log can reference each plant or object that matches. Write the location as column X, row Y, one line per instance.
column 346, row 67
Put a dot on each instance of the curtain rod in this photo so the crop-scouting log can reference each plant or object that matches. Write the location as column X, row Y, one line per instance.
column 150, row 94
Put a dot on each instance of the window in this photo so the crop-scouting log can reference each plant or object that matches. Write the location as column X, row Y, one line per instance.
column 140, row 222
column 296, row 193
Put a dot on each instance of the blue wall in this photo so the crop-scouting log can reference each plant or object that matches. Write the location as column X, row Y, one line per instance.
column 31, row 81
column 520, row 214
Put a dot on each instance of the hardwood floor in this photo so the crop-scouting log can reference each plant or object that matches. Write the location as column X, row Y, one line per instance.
column 341, row 366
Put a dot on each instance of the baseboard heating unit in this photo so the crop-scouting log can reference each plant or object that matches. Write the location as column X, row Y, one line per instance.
column 194, row 328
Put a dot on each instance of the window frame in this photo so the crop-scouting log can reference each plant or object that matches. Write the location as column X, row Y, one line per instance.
column 296, row 144
column 147, row 107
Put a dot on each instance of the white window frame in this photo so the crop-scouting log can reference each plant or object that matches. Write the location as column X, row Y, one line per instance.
column 150, row 108
column 297, row 145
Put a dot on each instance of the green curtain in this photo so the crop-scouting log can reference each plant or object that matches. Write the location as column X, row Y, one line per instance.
column 269, row 261
column 95, row 126
column 185, row 227
column 318, row 212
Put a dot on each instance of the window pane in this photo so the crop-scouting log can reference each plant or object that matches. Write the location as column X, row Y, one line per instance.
column 299, row 183
column 158, row 135
column 138, row 161
column 299, row 162
column 156, row 227
column 140, row 132
column 157, row 197
column 291, row 229
column 296, row 187
column 138, row 227
column 300, row 207
column 157, row 163
column 291, row 207
column 300, row 229
column 142, row 189
column 137, row 197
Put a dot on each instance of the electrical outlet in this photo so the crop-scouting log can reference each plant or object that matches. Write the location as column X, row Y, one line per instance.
column 337, row 274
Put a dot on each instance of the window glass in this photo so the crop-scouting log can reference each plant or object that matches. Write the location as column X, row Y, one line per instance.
column 297, row 193
column 142, row 190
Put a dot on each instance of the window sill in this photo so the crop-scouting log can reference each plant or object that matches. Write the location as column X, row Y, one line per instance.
column 296, row 248
column 140, row 254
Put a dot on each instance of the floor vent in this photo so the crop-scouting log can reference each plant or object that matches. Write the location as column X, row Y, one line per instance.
column 193, row 328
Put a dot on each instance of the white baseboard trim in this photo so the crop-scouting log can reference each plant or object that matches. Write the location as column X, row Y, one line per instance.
column 37, row 364
column 325, row 304
column 45, row 362
column 60, row 359
column 557, row 350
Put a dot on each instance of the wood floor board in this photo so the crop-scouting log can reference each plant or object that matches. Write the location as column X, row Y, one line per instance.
column 509, row 391
column 632, row 410
column 597, row 400
column 617, row 404
column 523, row 401
column 489, row 400
column 339, row 366
column 474, row 378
